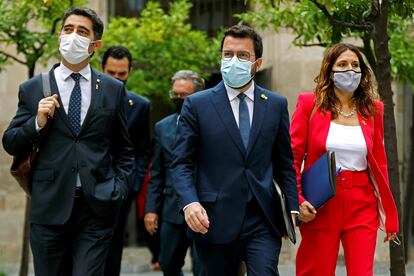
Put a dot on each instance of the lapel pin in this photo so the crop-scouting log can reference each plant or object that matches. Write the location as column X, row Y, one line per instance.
column 364, row 123
column 263, row 96
column 97, row 84
column 130, row 102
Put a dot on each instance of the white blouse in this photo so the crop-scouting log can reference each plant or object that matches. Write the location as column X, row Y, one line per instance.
column 349, row 145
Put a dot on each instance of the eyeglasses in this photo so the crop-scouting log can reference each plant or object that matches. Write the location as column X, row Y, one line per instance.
column 242, row 55
column 176, row 95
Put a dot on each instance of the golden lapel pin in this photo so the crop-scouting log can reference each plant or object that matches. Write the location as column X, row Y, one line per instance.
column 263, row 96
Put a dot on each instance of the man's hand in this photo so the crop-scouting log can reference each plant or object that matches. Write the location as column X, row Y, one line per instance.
column 196, row 217
column 306, row 212
column 46, row 109
column 151, row 222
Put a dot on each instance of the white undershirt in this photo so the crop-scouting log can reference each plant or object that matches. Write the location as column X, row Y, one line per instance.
column 349, row 145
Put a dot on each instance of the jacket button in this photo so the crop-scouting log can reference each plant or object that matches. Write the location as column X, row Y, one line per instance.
column 73, row 169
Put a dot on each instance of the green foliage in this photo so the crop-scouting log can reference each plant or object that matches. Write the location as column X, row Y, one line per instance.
column 30, row 26
column 162, row 43
column 325, row 22
column 402, row 49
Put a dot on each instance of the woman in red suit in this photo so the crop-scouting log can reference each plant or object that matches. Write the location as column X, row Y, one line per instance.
column 343, row 115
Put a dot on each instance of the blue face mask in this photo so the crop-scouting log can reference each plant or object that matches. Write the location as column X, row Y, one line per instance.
column 236, row 73
column 347, row 81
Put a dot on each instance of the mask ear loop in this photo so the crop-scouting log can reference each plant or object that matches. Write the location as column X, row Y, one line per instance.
column 93, row 52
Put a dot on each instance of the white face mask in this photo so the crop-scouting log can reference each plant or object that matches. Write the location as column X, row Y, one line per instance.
column 74, row 48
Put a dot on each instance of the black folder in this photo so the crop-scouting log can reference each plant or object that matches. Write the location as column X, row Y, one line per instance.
column 287, row 216
column 319, row 180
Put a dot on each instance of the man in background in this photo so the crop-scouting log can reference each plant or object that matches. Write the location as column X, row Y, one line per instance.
column 117, row 62
column 161, row 196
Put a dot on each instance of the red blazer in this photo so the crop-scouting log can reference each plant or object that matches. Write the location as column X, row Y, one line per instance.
column 317, row 128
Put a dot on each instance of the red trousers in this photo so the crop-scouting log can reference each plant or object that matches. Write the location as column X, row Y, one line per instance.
column 351, row 217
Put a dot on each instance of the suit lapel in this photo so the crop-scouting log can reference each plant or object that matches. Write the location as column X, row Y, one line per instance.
column 173, row 125
column 259, row 110
column 319, row 129
column 367, row 127
column 95, row 94
column 223, row 108
column 54, row 88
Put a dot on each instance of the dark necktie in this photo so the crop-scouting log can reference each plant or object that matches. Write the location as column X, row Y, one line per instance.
column 75, row 103
column 244, row 119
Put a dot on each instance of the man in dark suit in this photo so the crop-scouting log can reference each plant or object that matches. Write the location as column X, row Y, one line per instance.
column 85, row 157
column 161, row 196
column 232, row 141
column 116, row 62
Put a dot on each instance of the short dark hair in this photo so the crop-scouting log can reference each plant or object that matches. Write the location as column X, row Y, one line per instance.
column 97, row 24
column 243, row 31
column 117, row 52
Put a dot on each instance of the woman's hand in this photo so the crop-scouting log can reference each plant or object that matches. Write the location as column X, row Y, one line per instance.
column 392, row 237
column 306, row 212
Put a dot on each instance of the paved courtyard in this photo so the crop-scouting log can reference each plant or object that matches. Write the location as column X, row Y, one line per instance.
column 136, row 263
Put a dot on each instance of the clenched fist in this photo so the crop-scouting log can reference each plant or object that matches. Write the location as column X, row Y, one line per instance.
column 46, row 109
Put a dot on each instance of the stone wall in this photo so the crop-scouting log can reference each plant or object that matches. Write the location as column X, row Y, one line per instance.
column 12, row 199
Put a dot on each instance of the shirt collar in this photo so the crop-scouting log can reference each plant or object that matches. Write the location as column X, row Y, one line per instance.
column 233, row 93
column 65, row 72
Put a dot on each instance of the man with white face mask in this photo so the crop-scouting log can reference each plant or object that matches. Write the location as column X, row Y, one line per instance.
column 232, row 140
column 85, row 157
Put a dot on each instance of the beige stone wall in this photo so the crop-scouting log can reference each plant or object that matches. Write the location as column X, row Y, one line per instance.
column 12, row 199
column 293, row 68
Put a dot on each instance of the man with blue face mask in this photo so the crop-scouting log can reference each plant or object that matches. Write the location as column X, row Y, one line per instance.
column 232, row 141
column 85, row 158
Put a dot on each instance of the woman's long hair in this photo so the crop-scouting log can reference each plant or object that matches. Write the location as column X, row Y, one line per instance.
column 364, row 95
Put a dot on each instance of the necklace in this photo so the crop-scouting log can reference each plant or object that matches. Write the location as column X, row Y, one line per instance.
column 344, row 114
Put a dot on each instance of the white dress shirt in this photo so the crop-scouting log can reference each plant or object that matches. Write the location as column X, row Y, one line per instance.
column 65, row 84
column 235, row 101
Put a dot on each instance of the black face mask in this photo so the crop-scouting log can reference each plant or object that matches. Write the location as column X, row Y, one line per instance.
column 178, row 105
column 123, row 81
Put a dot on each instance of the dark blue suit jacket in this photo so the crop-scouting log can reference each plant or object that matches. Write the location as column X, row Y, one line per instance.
column 101, row 153
column 137, row 111
column 160, row 191
column 208, row 138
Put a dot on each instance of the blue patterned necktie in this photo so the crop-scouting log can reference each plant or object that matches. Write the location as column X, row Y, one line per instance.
column 75, row 103
column 244, row 119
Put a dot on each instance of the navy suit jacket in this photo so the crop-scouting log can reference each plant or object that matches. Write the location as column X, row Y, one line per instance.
column 208, row 139
column 101, row 153
column 160, row 191
column 137, row 111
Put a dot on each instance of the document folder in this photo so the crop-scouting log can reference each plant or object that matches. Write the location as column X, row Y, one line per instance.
column 319, row 180
column 287, row 216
